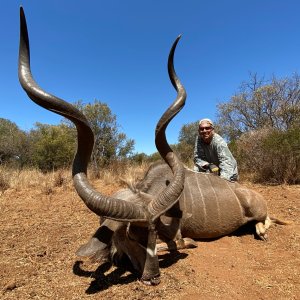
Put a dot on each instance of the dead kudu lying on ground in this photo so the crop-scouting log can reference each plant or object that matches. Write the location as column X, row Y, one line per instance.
column 171, row 205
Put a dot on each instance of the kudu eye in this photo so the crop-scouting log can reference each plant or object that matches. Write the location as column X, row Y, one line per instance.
column 167, row 182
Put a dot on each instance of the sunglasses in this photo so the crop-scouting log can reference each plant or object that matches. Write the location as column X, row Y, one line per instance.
column 205, row 128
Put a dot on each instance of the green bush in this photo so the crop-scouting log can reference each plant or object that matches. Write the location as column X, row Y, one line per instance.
column 53, row 146
column 269, row 155
column 283, row 149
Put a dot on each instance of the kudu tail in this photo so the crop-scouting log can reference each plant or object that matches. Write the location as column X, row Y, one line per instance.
column 280, row 222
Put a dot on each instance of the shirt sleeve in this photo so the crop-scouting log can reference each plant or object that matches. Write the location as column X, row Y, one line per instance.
column 227, row 162
column 199, row 156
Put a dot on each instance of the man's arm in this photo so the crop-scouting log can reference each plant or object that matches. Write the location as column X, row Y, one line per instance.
column 199, row 156
column 228, row 167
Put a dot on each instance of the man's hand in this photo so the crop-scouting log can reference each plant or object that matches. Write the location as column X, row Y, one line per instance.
column 214, row 169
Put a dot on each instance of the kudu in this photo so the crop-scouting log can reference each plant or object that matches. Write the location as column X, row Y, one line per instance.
column 171, row 204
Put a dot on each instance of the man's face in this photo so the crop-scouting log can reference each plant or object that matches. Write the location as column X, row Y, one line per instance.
column 206, row 132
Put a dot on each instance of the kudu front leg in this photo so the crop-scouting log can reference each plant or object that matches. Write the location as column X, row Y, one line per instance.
column 173, row 245
column 170, row 234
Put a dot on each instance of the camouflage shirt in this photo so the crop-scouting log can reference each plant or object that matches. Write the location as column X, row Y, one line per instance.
column 218, row 153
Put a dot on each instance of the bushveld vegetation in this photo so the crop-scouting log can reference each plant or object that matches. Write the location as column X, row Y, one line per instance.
column 261, row 123
column 48, row 182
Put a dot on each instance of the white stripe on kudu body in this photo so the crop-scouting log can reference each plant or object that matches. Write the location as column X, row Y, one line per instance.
column 211, row 206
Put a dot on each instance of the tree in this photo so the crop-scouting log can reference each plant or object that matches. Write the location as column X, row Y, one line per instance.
column 185, row 146
column 262, row 122
column 139, row 158
column 188, row 133
column 187, row 137
column 110, row 143
column 53, row 146
column 13, row 143
column 270, row 155
column 258, row 104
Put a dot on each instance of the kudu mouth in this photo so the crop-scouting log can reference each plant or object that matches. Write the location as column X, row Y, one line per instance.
column 105, row 206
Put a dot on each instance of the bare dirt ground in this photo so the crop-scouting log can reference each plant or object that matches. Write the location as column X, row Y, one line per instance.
column 40, row 234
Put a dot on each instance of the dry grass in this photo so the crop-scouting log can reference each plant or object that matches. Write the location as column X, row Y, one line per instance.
column 19, row 180
column 31, row 178
column 4, row 180
column 120, row 173
column 134, row 173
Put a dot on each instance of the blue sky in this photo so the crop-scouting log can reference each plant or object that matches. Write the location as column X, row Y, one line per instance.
column 116, row 51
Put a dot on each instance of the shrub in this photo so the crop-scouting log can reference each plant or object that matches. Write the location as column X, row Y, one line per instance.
column 269, row 155
column 4, row 180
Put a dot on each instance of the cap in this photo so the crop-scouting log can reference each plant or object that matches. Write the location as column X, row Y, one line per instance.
column 209, row 121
